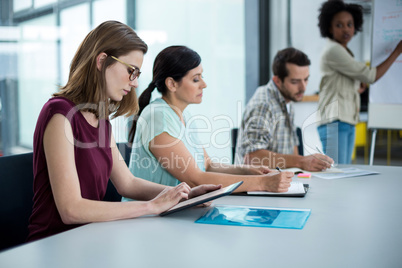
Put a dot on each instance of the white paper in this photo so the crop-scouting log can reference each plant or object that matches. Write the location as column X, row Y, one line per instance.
column 296, row 187
column 298, row 170
column 346, row 173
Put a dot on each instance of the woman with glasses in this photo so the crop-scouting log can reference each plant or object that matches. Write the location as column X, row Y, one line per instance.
column 75, row 153
column 166, row 148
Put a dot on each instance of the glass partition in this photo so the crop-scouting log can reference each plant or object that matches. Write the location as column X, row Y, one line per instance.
column 45, row 35
column 215, row 29
column 37, row 72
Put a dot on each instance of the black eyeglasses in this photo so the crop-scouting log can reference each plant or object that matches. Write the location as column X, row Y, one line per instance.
column 134, row 71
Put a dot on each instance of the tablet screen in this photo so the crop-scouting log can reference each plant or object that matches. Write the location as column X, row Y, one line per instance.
column 203, row 198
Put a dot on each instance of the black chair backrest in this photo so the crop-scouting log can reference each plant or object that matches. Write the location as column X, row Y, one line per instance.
column 16, row 191
column 300, row 137
column 125, row 150
column 233, row 134
column 111, row 192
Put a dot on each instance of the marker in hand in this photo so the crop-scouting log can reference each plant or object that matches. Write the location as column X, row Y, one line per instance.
column 319, row 151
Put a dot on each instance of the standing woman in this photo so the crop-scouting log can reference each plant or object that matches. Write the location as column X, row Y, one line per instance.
column 343, row 78
column 166, row 148
column 75, row 153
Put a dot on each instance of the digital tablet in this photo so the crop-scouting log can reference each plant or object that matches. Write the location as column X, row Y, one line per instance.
column 202, row 198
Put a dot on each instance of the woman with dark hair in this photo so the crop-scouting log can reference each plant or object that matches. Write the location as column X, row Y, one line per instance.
column 75, row 153
column 343, row 78
column 166, row 148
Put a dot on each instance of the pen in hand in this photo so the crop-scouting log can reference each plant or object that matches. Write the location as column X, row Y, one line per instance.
column 278, row 168
column 319, row 151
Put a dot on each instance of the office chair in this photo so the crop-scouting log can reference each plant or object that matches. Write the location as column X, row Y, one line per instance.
column 16, row 192
column 125, row 150
column 300, row 137
column 111, row 192
column 234, row 133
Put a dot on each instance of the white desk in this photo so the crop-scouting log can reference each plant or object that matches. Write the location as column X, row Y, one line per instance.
column 355, row 222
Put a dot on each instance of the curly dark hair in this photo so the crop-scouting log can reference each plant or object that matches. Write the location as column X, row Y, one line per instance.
column 332, row 7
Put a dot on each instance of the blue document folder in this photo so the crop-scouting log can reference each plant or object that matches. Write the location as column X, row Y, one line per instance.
column 290, row 218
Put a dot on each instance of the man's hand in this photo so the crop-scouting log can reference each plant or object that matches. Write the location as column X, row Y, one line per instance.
column 316, row 162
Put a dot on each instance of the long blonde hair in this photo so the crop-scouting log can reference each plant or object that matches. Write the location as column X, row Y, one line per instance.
column 86, row 85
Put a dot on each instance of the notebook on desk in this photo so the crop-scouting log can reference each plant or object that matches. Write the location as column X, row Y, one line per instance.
column 296, row 189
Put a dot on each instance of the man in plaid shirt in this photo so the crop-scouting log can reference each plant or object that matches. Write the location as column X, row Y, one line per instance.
column 267, row 135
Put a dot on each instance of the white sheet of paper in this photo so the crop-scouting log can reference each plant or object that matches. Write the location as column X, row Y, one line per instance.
column 329, row 170
column 296, row 187
column 346, row 173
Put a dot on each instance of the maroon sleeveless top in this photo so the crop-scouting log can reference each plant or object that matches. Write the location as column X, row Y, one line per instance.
column 93, row 159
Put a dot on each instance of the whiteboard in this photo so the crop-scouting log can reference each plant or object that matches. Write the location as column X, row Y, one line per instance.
column 385, row 100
